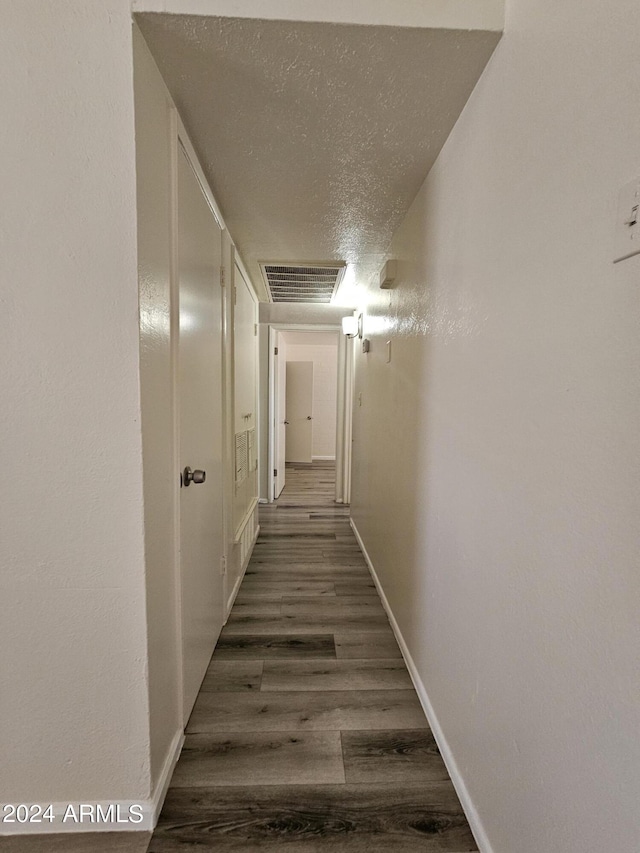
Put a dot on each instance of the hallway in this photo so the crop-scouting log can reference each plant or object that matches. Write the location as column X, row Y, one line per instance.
column 452, row 188
column 307, row 734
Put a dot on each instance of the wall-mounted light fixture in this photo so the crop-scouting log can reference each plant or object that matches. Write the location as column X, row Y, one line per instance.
column 351, row 326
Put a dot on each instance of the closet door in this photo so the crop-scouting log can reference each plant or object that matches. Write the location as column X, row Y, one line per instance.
column 200, row 414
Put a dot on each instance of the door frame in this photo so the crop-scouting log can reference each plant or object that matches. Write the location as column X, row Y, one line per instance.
column 299, row 372
column 344, row 407
column 273, row 407
column 344, row 417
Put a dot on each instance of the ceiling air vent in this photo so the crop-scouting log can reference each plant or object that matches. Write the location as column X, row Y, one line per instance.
column 314, row 283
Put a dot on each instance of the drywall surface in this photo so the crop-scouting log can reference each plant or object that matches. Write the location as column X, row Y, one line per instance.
column 299, row 313
column 74, row 699
column 160, row 465
column 466, row 14
column 325, row 381
column 496, row 472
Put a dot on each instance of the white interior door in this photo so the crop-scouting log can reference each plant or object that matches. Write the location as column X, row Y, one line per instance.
column 299, row 409
column 280, row 410
column 200, row 413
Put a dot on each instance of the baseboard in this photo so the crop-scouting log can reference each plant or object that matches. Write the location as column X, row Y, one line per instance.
column 99, row 815
column 232, row 598
column 323, row 458
column 162, row 786
column 236, row 588
column 458, row 782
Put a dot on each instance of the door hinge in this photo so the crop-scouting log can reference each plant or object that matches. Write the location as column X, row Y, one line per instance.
column 255, row 329
column 223, row 276
column 275, row 472
column 275, row 351
column 235, row 294
column 223, row 566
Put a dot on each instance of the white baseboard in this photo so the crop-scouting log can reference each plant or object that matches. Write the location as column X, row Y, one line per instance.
column 323, row 458
column 232, row 597
column 458, row 782
column 160, row 792
column 243, row 569
column 124, row 815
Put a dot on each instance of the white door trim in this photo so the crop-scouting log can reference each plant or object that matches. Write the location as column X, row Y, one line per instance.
column 272, row 414
column 176, row 129
column 345, row 394
column 344, row 420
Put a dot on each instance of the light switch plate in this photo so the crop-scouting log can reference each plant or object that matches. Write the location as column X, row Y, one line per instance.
column 628, row 222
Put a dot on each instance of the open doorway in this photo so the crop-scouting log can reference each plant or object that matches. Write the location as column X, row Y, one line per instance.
column 306, row 387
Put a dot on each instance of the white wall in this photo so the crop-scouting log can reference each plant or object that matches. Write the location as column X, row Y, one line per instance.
column 301, row 314
column 74, row 680
column 497, row 457
column 90, row 709
column 154, row 200
column 324, row 356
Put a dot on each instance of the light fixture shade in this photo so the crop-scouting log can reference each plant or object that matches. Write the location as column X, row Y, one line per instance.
column 350, row 326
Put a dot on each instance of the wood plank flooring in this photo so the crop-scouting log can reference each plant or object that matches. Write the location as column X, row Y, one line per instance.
column 307, row 734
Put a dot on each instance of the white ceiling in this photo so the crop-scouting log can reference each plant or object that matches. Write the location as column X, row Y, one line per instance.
column 315, row 137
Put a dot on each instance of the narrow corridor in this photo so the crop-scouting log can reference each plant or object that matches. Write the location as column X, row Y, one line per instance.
column 307, row 734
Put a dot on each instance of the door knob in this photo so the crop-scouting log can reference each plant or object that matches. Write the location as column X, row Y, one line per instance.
column 309, row 418
column 189, row 476
column 285, row 422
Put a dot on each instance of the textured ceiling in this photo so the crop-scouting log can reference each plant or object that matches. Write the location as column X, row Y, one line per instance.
column 315, row 137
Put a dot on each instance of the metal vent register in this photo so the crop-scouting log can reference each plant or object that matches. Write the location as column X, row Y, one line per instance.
column 292, row 283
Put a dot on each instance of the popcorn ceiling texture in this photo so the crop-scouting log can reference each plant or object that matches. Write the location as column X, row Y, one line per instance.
column 315, row 137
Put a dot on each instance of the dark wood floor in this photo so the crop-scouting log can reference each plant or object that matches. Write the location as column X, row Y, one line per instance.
column 307, row 734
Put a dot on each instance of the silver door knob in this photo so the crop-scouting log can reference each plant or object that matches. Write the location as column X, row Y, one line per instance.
column 189, row 476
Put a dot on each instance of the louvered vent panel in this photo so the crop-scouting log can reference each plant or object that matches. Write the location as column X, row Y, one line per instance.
column 242, row 457
column 314, row 284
